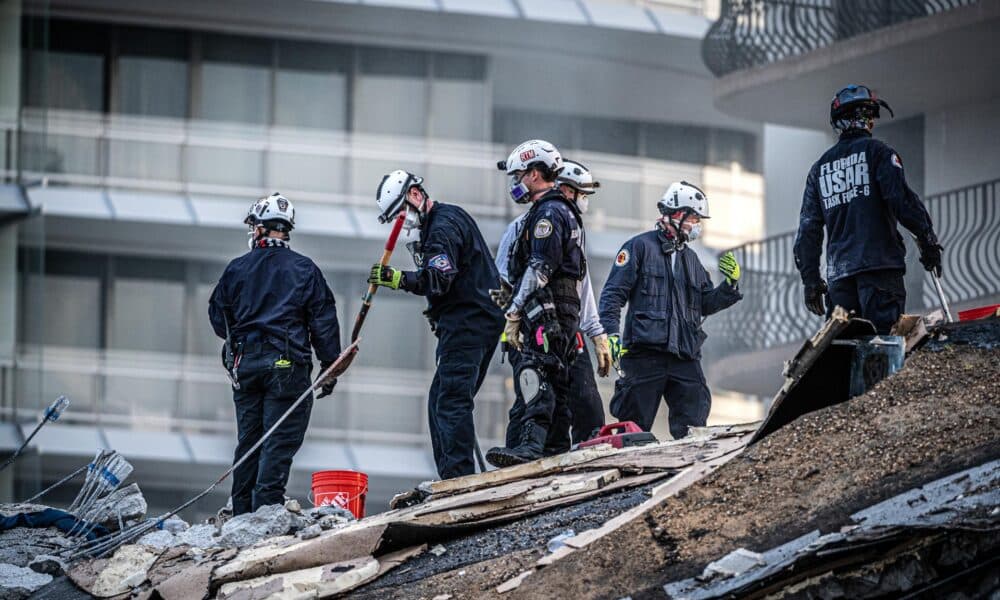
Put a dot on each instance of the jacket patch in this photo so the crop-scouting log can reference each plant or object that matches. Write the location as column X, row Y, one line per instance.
column 896, row 162
column 543, row 229
column 442, row 263
column 622, row 259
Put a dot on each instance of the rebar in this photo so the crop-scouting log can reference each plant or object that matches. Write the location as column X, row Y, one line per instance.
column 52, row 413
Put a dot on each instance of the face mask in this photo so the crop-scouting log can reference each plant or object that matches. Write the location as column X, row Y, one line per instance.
column 695, row 232
column 251, row 238
column 413, row 218
column 582, row 203
column 518, row 191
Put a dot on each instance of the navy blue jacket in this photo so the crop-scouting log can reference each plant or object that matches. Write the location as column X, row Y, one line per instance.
column 857, row 189
column 665, row 305
column 273, row 294
column 455, row 271
column 550, row 239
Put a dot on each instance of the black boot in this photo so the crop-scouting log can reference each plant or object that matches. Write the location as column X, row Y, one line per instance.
column 530, row 447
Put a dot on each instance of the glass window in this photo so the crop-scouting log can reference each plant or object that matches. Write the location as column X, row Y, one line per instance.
column 458, row 110
column 236, row 79
column 204, row 342
column 610, row 135
column 391, row 93
column 511, row 127
column 65, row 66
column 70, row 310
column 366, row 174
column 60, row 153
column 225, row 166
column 144, row 160
column 145, row 314
column 66, row 80
column 462, row 67
column 677, row 143
column 311, row 85
column 728, row 146
column 306, row 172
column 152, row 76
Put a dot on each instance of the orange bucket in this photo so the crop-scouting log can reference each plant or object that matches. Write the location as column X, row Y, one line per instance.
column 346, row 489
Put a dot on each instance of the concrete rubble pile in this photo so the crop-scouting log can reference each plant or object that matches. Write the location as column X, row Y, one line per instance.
column 317, row 553
column 833, row 499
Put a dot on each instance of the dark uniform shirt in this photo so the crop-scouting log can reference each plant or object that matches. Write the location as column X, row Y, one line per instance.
column 455, row 271
column 858, row 191
column 666, row 302
column 550, row 240
column 279, row 297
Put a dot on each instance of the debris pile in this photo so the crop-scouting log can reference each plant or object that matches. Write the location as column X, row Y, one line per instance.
column 896, row 490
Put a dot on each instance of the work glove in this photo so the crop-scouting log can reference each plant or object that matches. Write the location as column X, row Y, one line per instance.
column 814, row 298
column 930, row 254
column 330, row 381
column 615, row 348
column 385, row 276
column 501, row 297
column 603, row 353
column 729, row 268
column 512, row 331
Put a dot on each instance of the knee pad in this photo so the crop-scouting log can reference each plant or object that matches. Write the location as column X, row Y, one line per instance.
column 531, row 384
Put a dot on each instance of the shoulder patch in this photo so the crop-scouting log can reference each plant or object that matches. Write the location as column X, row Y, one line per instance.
column 543, row 229
column 441, row 262
column 622, row 259
column 896, row 161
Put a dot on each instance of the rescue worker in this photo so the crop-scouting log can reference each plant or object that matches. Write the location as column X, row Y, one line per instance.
column 455, row 271
column 271, row 305
column 669, row 293
column 858, row 191
column 545, row 266
column 586, row 409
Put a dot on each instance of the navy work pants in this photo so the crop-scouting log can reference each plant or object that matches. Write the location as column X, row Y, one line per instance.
column 582, row 413
column 460, row 374
column 266, row 392
column 878, row 296
column 650, row 376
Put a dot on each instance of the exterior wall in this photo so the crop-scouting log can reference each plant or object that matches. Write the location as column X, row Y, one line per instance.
column 960, row 146
column 789, row 153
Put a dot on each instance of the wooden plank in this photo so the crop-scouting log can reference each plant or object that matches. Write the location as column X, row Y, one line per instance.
column 532, row 469
column 670, row 459
column 557, row 487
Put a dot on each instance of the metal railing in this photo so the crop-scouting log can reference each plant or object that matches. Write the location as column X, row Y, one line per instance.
column 772, row 312
column 751, row 33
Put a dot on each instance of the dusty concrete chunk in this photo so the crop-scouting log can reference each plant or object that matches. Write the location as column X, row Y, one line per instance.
column 310, row 532
column 18, row 582
column 126, row 569
column 21, row 544
column 292, row 505
column 735, row 563
column 267, row 521
column 158, row 540
column 175, row 525
column 199, row 536
column 127, row 502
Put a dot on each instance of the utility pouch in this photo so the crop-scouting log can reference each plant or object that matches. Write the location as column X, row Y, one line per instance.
column 540, row 317
column 231, row 361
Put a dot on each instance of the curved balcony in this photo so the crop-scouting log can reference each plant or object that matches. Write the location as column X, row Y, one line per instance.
column 748, row 342
column 751, row 33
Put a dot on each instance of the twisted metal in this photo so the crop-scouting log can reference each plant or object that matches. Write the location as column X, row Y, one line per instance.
column 772, row 312
column 750, row 33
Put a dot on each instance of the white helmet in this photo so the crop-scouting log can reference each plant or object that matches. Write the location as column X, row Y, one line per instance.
column 578, row 177
column 531, row 152
column 680, row 195
column 274, row 212
column 392, row 191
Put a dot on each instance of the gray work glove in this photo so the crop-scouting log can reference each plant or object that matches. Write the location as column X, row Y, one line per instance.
column 501, row 297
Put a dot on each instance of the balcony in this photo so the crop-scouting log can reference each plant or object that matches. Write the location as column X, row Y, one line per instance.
column 781, row 60
column 756, row 335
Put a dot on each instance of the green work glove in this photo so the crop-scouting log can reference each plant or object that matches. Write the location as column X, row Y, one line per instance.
column 615, row 345
column 729, row 268
column 386, row 276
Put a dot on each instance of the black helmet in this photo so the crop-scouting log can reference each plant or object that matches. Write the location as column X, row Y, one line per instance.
column 848, row 100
